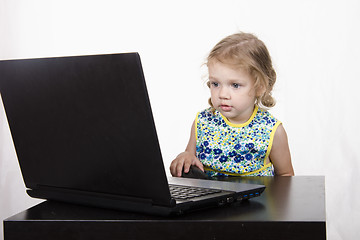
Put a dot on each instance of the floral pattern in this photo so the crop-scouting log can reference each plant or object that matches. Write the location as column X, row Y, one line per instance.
column 236, row 149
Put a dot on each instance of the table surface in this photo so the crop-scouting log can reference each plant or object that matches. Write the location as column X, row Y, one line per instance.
column 299, row 199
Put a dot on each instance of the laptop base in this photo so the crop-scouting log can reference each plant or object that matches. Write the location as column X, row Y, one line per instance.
column 117, row 203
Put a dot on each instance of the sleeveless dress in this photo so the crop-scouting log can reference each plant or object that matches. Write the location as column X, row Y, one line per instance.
column 231, row 149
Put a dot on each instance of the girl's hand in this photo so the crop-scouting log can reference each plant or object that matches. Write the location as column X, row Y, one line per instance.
column 183, row 161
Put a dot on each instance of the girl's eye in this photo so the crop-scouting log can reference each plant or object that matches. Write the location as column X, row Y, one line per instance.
column 236, row 85
column 215, row 84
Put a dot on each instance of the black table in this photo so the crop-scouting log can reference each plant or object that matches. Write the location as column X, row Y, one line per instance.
column 290, row 208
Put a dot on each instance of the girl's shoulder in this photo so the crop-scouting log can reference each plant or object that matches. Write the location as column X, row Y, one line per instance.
column 209, row 118
column 264, row 116
column 208, row 113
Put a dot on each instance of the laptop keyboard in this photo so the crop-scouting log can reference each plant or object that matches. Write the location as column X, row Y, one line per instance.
column 179, row 192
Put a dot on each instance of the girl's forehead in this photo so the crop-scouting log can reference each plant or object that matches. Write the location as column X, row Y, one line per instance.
column 216, row 64
column 218, row 70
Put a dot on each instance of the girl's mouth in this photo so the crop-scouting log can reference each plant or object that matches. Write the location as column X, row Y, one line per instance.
column 225, row 108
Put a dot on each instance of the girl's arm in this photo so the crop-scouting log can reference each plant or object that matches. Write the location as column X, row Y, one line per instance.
column 187, row 158
column 280, row 153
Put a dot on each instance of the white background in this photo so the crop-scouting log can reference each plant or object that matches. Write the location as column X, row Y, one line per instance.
column 314, row 46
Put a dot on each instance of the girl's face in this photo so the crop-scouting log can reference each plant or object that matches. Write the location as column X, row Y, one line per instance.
column 232, row 91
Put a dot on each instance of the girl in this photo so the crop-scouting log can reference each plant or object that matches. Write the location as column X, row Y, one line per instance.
column 236, row 136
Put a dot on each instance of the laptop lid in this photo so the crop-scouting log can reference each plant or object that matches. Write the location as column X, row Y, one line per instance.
column 84, row 123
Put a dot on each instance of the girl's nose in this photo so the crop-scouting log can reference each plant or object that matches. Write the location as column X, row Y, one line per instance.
column 224, row 93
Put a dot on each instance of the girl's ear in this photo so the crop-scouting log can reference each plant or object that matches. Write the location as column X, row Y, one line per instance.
column 260, row 91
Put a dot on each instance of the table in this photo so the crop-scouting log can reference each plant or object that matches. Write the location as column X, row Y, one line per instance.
column 290, row 208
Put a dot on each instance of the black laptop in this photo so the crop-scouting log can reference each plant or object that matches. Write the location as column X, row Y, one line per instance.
column 84, row 133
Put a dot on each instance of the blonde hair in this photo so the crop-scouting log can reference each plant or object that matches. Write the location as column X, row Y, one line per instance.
column 246, row 51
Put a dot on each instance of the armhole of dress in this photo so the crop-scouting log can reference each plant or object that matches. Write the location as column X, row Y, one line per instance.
column 271, row 140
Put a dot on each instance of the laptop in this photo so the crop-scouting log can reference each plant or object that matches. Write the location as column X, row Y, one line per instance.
column 84, row 133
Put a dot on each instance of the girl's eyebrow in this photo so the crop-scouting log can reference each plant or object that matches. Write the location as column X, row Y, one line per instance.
column 212, row 78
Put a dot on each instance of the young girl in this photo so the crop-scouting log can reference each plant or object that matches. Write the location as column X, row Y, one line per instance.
column 236, row 136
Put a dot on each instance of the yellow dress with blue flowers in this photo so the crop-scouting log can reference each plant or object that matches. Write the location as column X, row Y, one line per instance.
column 225, row 148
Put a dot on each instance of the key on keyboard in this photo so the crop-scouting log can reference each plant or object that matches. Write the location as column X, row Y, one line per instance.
column 185, row 192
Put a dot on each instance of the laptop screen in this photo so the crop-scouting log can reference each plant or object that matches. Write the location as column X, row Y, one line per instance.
column 84, row 123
